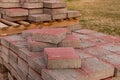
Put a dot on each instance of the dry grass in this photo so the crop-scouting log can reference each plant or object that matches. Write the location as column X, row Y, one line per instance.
column 99, row 15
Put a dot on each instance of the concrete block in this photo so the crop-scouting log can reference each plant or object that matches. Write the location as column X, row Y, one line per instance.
column 85, row 31
column 15, row 46
column 10, row 5
column 5, row 57
column 55, row 11
column 32, row 5
column 65, row 74
column 97, row 69
column 23, row 65
column 70, row 41
column 74, row 27
column 5, row 41
column 39, row 17
column 73, row 14
column 13, row 57
column 35, row 11
column 50, row 35
column 15, row 18
column 35, row 46
column 16, row 12
column 5, row 50
column 59, row 16
column 28, row 33
column 34, row 75
column 54, row 4
column 33, row 1
column 36, row 62
column 9, row 1
column 21, row 74
column 59, row 58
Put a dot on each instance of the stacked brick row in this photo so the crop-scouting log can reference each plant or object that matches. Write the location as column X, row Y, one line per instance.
column 35, row 10
column 36, row 55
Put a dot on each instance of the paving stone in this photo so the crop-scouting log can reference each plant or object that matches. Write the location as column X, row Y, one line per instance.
column 57, row 58
column 34, row 75
column 10, row 77
column 21, row 74
column 50, row 35
column 10, row 5
column 21, row 18
column 97, row 69
column 5, row 50
column 83, row 55
column 10, row 1
column 17, row 12
column 55, row 11
column 85, row 31
column 23, row 65
column 15, row 46
column 29, row 5
column 33, row 1
column 74, row 27
column 70, row 41
column 53, row 4
column 5, row 41
column 28, row 33
column 36, row 62
column 59, row 16
column 65, row 74
column 36, row 46
column 35, row 11
column 73, row 14
column 13, row 57
column 39, row 17
column 113, row 60
column 98, row 52
column 5, row 57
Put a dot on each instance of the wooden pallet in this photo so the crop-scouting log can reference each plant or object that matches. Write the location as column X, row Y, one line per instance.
column 8, row 27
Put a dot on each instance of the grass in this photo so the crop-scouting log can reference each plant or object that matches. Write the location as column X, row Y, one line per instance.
column 99, row 15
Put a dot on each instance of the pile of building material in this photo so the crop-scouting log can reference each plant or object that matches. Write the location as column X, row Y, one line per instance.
column 37, row 55
column 19, row 15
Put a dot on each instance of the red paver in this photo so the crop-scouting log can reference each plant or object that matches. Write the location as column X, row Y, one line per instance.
column 50, row 35
column 38, row 46
column 71, row 41
column 62, row 58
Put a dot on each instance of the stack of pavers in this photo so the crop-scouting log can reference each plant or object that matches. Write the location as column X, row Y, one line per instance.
column 11, row 10
column 50, row 54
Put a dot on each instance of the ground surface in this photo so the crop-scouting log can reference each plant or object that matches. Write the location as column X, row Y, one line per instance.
column 99, row 15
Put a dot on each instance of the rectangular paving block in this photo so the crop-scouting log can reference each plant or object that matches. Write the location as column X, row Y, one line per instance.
column 23, row 65
column 97, row 69
column 58, row 58
column 5, row 50
column 36, row 62
column 5, row 57
column 70, row 41
column 73, row 14
column 39, row 17
column 10, row 1
column 28, row 33
column 13, row 57
column 65, row 74
column 35, row 11
column 29, row 5
column 74, row 27
column 2, row 25
column 15, row 46
column 5, row 41
column 53, row 4
column 34, row 75
column 10, row 5
column 55, row 11
column 15, row 12
column 59, row 16
column 21, row 18
column 51, row 35
column 32, row 1
column 36, row 46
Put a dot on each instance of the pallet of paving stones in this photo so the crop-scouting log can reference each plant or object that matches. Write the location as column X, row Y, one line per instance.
column 19, row 15
column 57, row 53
